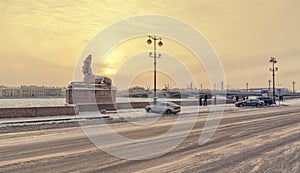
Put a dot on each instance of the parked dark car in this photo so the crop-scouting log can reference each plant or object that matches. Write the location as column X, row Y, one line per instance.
column 163, row 107
column 250, row 102
column 267, row 100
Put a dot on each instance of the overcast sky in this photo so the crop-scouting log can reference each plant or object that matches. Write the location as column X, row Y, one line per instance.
column 41, row 41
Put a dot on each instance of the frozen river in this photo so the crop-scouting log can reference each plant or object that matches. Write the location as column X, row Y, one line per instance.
column 37, row 102
column 29, row 102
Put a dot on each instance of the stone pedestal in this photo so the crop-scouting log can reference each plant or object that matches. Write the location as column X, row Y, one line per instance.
column 91, row 96
column 88, row 99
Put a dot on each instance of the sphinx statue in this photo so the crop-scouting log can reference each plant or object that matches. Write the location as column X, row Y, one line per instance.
column 90, row 79
column 92, row 90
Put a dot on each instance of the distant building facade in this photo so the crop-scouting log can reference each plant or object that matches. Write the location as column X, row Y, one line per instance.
column 53, row 91
column 136, row 89
column 10, row 92
column 1, row 91
column 31, row 91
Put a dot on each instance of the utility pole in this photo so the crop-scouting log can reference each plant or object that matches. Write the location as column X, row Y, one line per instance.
column 247, row 85
column 269, row 84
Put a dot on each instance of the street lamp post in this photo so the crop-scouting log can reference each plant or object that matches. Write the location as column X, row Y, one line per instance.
column 273, row 70
column 294, row 86
column 222, row 85
column 269, row 81
column 149, row 41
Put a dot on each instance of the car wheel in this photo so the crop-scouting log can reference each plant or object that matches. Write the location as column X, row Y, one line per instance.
column 241, row 105
column 168, row 111
column 268, row 104
column 149, row 109
column 258, row 105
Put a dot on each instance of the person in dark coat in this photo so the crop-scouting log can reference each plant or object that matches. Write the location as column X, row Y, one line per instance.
column 200, row 101
column 205, row 100
column 215, row 100
column 236, row 98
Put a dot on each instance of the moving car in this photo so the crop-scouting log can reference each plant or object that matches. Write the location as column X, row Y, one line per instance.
column 267, row 100
column 163, row 107
column 250, row 102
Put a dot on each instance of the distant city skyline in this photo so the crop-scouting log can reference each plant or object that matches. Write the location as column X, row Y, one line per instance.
column 44, row 39
column 165, row 86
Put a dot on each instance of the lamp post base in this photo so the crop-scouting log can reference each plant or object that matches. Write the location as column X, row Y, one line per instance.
column 154, row 100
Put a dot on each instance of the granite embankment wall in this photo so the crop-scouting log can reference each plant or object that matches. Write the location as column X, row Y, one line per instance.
column 38, row 111
column 111, row 106
column 74, row 110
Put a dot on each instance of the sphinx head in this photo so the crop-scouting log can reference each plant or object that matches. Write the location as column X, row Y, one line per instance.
column 86, row 68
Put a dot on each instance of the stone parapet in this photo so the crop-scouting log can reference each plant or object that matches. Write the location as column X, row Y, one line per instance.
column 38, row 111
column 96, row 107
column 75, row 109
